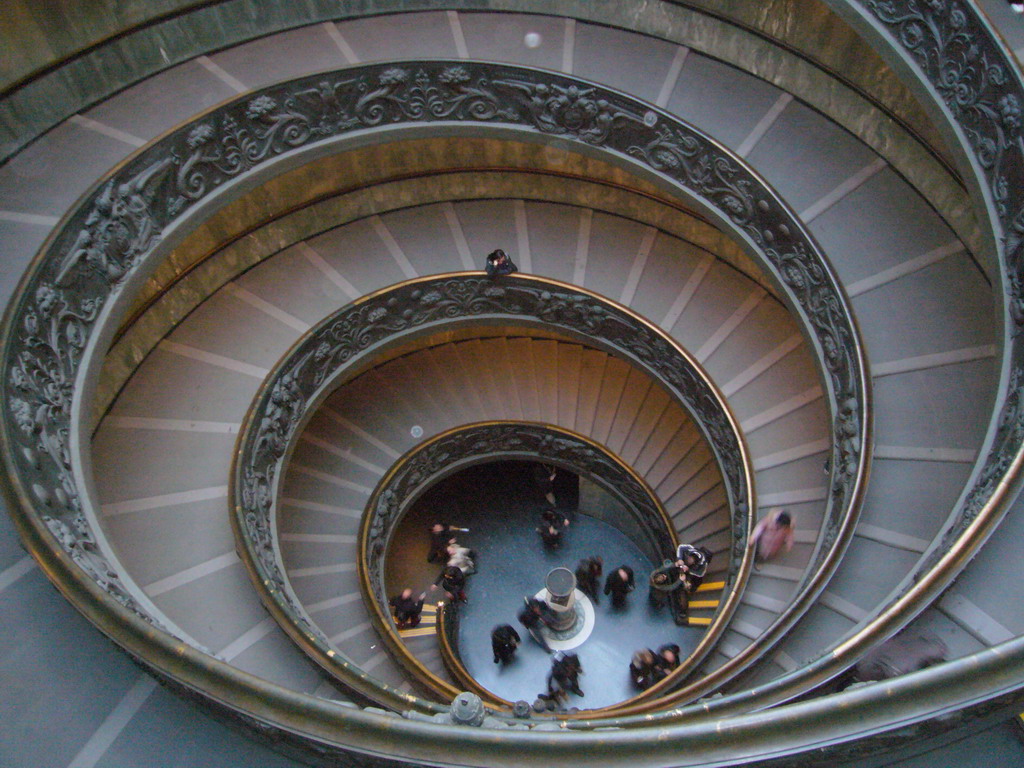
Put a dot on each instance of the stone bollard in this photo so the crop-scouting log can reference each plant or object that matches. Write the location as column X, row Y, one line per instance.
column 467, row 709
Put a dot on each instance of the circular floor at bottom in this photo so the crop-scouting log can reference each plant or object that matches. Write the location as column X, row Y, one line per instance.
column 501, row 508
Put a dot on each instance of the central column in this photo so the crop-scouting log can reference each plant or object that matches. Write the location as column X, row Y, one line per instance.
column 560, row 595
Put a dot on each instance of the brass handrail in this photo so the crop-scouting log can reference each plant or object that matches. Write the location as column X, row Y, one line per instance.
column 355, row 334
column 460, row 447
column 81, row 271
column 447, row 636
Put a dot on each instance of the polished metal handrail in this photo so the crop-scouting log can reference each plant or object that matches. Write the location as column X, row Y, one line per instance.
column 351, row 338
column 67, row 304
column 425, row 465
column 448, row 620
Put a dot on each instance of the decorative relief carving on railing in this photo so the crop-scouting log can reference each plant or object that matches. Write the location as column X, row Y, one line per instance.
column 431, row 462
column 91, row 256
column 421, row 305
column 982, row 91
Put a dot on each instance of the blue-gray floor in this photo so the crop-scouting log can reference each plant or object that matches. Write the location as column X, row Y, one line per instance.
column 500, row 505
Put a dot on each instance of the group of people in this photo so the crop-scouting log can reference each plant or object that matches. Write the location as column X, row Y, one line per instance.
column 619, row 583
column 536, row 614
column 647, row 667
column 671, row 583
column 566, row 668
column 675, row 580
column 459, row 561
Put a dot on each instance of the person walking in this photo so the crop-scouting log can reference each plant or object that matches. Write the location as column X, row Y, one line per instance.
column 504, row 642
column 619, row 583
column 773, row 535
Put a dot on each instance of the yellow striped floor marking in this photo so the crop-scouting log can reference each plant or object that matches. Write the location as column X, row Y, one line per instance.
column 429, row 608
column 699, row 621
column 704, row 603
column 710, row 586
column 417, row 632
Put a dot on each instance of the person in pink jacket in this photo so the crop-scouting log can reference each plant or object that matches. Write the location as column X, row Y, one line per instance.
column 772, row 535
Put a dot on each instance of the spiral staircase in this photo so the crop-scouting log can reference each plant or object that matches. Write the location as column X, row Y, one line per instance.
column 813, row 209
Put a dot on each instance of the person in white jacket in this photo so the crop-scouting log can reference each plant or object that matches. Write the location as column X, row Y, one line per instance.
column 461, row 557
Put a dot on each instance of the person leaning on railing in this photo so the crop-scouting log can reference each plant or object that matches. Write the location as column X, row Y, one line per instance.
column 498, row 263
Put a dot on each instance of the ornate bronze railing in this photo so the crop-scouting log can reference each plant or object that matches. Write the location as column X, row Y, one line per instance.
column 448, row 625
column 972, row 521
column 452, row 451
column 76, row 290
column 799, row 60
column 353, row 336
column 975, row 87
column 77, row 283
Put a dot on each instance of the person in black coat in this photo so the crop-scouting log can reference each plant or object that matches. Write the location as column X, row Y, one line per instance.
column 619, row 584
column 544, row 475
column 453, row 581
column 668, row 584
column 665, row 661
column 551, row 527
column 498, row 263
column 565, row 674
column 535, row 615
column 562, row 680
column 504, row 641
column 407, row 608
column 642, row 669
column 588, row 576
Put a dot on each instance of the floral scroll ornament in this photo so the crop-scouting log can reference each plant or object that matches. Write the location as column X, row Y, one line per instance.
column 234, row 148
column 571, row 110
column 977, row 85
column 450, row 94
column 985, row 98
column 705, row 170
column 119, row 230
column 42, row 380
